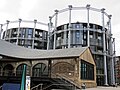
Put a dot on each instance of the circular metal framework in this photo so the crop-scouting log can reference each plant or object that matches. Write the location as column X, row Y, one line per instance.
column 53, row 31
column 70, row 8
column 106, row 32
column 30, row 34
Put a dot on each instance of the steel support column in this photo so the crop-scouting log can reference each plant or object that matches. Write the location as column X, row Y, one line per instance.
column 88, row 26
column 111, row 53
column 69, row 28
column 1, row 30
column 49, row 29
column 6, row 28
column 35, row 21
column 55, row 30
column 114, row 57
column 104, row 48
column 18, row 31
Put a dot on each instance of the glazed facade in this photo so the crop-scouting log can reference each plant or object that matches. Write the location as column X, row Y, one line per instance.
column 26, row 36
column 71, row 35
column 79, row 38
column 80, row 34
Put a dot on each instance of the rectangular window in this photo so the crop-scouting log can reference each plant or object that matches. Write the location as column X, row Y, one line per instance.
column 77, row 26
column 45, row 37
column 29, row 36
column 77, row 34
column 30, row 31
column 87, row 70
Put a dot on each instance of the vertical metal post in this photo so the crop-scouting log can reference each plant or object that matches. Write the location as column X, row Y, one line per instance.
column 22, row 87
column 88, row 26
column 69, row 28
column 6, row 28
column 49, row 29
column 115, row 60
column 56, row 18
column 49, row 67
column 35, row 21
column 1, row 30
column 41, row 87
column 18, row 31
column 111, row 53
column 104, row 48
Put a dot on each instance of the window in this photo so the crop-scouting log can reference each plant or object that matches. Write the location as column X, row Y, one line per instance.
column 91, row 36
column 77, row 36
column 45, row 37
column 19, row 70
column 23, row 33
column 77, row 26
column 40, row 33
column 40, row 70
column 29, row 36
column 29, row 46
column 87, row 70
column 30, row 31
column 8, row 70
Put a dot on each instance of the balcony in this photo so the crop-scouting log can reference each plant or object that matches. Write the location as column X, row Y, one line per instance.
column 59, row 42
column 96, row 42
column 93, row 41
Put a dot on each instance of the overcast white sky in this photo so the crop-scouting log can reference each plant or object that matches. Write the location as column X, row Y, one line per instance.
column 42, row 9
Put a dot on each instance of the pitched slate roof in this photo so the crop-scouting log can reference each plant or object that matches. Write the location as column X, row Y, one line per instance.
column 15, row 51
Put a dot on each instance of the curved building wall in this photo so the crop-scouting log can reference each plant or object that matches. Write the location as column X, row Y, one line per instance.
column 86, row 32
column 79, row 39
column 79, row 36
column 97, row 36
column 26, row 36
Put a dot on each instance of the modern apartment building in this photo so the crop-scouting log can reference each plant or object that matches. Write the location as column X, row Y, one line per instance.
column 25, row 33
column 80, row 34
column 97, row 37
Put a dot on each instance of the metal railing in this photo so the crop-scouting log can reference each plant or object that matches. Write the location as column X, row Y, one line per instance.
column 60, row 81
column 37, row 86
column 68, row 80
column 1, row 87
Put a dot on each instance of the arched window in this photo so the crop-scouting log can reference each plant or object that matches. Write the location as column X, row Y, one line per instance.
column 40, row 70
column 8, row 70
column 19, row 69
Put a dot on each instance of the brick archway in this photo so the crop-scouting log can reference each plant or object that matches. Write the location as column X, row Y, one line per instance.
column 8, row 70
column 63, row 68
